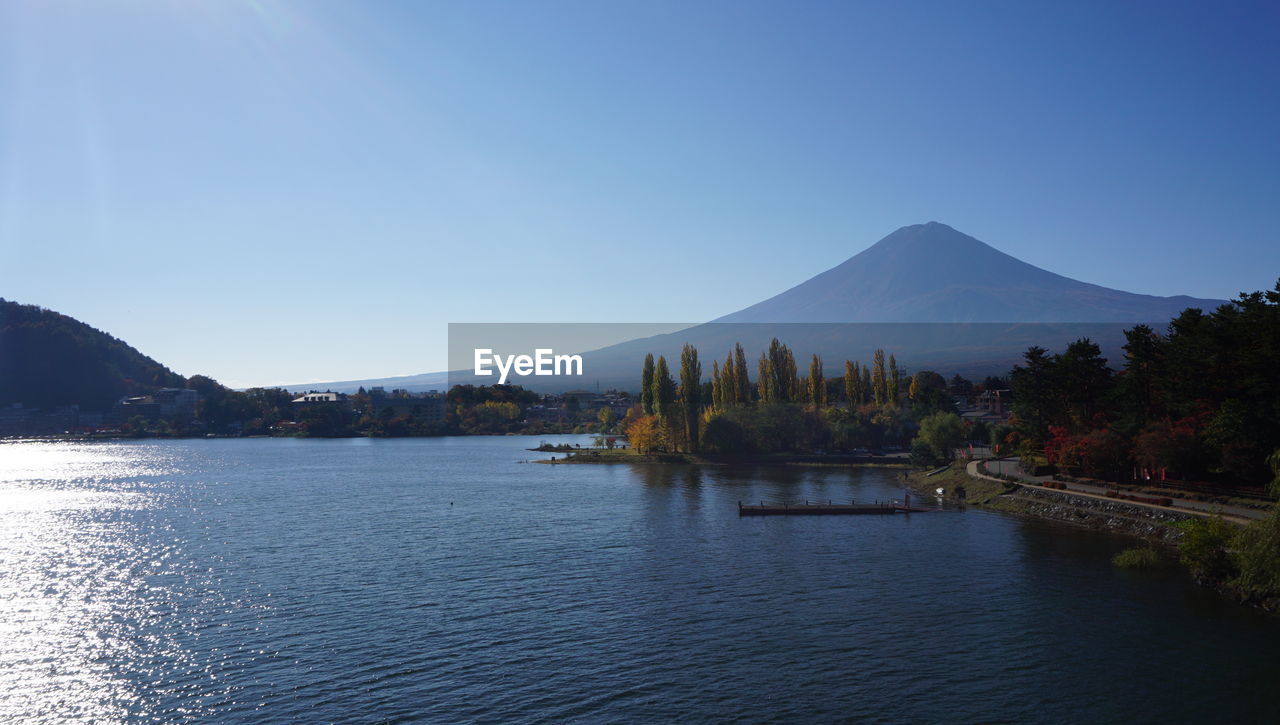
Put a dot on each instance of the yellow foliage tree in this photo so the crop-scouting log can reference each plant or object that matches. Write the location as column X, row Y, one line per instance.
column 645, row 434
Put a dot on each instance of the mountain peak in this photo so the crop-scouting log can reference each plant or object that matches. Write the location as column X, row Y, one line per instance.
column 933, row 272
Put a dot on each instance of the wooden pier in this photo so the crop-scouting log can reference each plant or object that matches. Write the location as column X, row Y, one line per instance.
column 828, row 508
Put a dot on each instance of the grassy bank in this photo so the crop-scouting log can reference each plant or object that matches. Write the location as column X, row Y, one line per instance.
column 958, row 486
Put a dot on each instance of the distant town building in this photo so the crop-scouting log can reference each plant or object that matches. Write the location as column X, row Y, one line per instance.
column 172, row 404
column 318, row 398
column 177, row 403
column 424, row 408
column 307, row 400
column 18, row 419
column 995, row 402
column 138, row 405
column 992, row 406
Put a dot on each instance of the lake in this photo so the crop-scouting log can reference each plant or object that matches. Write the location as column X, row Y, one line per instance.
column 279, row 580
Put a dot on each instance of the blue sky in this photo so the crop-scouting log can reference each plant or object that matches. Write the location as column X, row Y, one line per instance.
column 271, row 192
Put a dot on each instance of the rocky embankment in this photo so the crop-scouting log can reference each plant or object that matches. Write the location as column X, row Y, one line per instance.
column 1094, row 513
column 1115, row 516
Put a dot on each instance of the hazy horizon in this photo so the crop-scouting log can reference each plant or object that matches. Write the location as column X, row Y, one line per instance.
column 287, row 192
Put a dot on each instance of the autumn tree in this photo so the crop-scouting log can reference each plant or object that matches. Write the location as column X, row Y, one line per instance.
column 607, row 419
column 645, row 435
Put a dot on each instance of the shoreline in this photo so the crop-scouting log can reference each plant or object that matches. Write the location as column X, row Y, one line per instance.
column 615, row 457
column 76, row 438
column 1155, row 525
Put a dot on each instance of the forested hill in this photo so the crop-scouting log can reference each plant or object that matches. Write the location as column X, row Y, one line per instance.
column 48, row 359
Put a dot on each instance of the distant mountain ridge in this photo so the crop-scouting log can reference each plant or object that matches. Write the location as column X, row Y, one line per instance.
column 413, row 383
column 937, row 298
column 924, row 273
column 933, row 273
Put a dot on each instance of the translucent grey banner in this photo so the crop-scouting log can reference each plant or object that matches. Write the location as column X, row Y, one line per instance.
column 560, row 357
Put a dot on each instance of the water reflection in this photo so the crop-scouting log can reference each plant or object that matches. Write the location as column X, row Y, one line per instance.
column 85, row 588
column 777, row 484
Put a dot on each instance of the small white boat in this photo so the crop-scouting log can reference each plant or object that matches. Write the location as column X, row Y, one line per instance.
column 940, row 491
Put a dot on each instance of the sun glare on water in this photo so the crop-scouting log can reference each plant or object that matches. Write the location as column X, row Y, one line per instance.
column 74, row 565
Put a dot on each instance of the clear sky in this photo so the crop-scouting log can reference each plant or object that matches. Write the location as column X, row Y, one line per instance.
column 281, row 192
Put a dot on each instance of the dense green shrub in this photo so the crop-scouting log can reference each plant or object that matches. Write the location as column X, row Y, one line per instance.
column 1205, row 549
column 1138, row 557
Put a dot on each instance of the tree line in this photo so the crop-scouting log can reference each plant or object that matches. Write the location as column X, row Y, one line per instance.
column 1199, row 401
column 780, row 410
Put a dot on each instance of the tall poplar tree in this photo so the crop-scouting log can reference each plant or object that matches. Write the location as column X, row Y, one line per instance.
column 646, row 385
column 765, row 380
column 817, row 384
column 691, row 394
column 895, row 380
column 851, row 381
column 879, row 385
column 664, row 391
column 740, row 377
column 728, row 383
column 791, row 378
column 782, row 364
column 865, row 388
column 717, row 387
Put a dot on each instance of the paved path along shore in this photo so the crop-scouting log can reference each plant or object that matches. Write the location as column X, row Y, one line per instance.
column 1238, row 514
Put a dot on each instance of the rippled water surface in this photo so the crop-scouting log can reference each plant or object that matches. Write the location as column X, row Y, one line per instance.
column 444, row 580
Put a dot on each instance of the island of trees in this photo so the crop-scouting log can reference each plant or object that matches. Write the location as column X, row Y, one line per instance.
column 870, row 407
